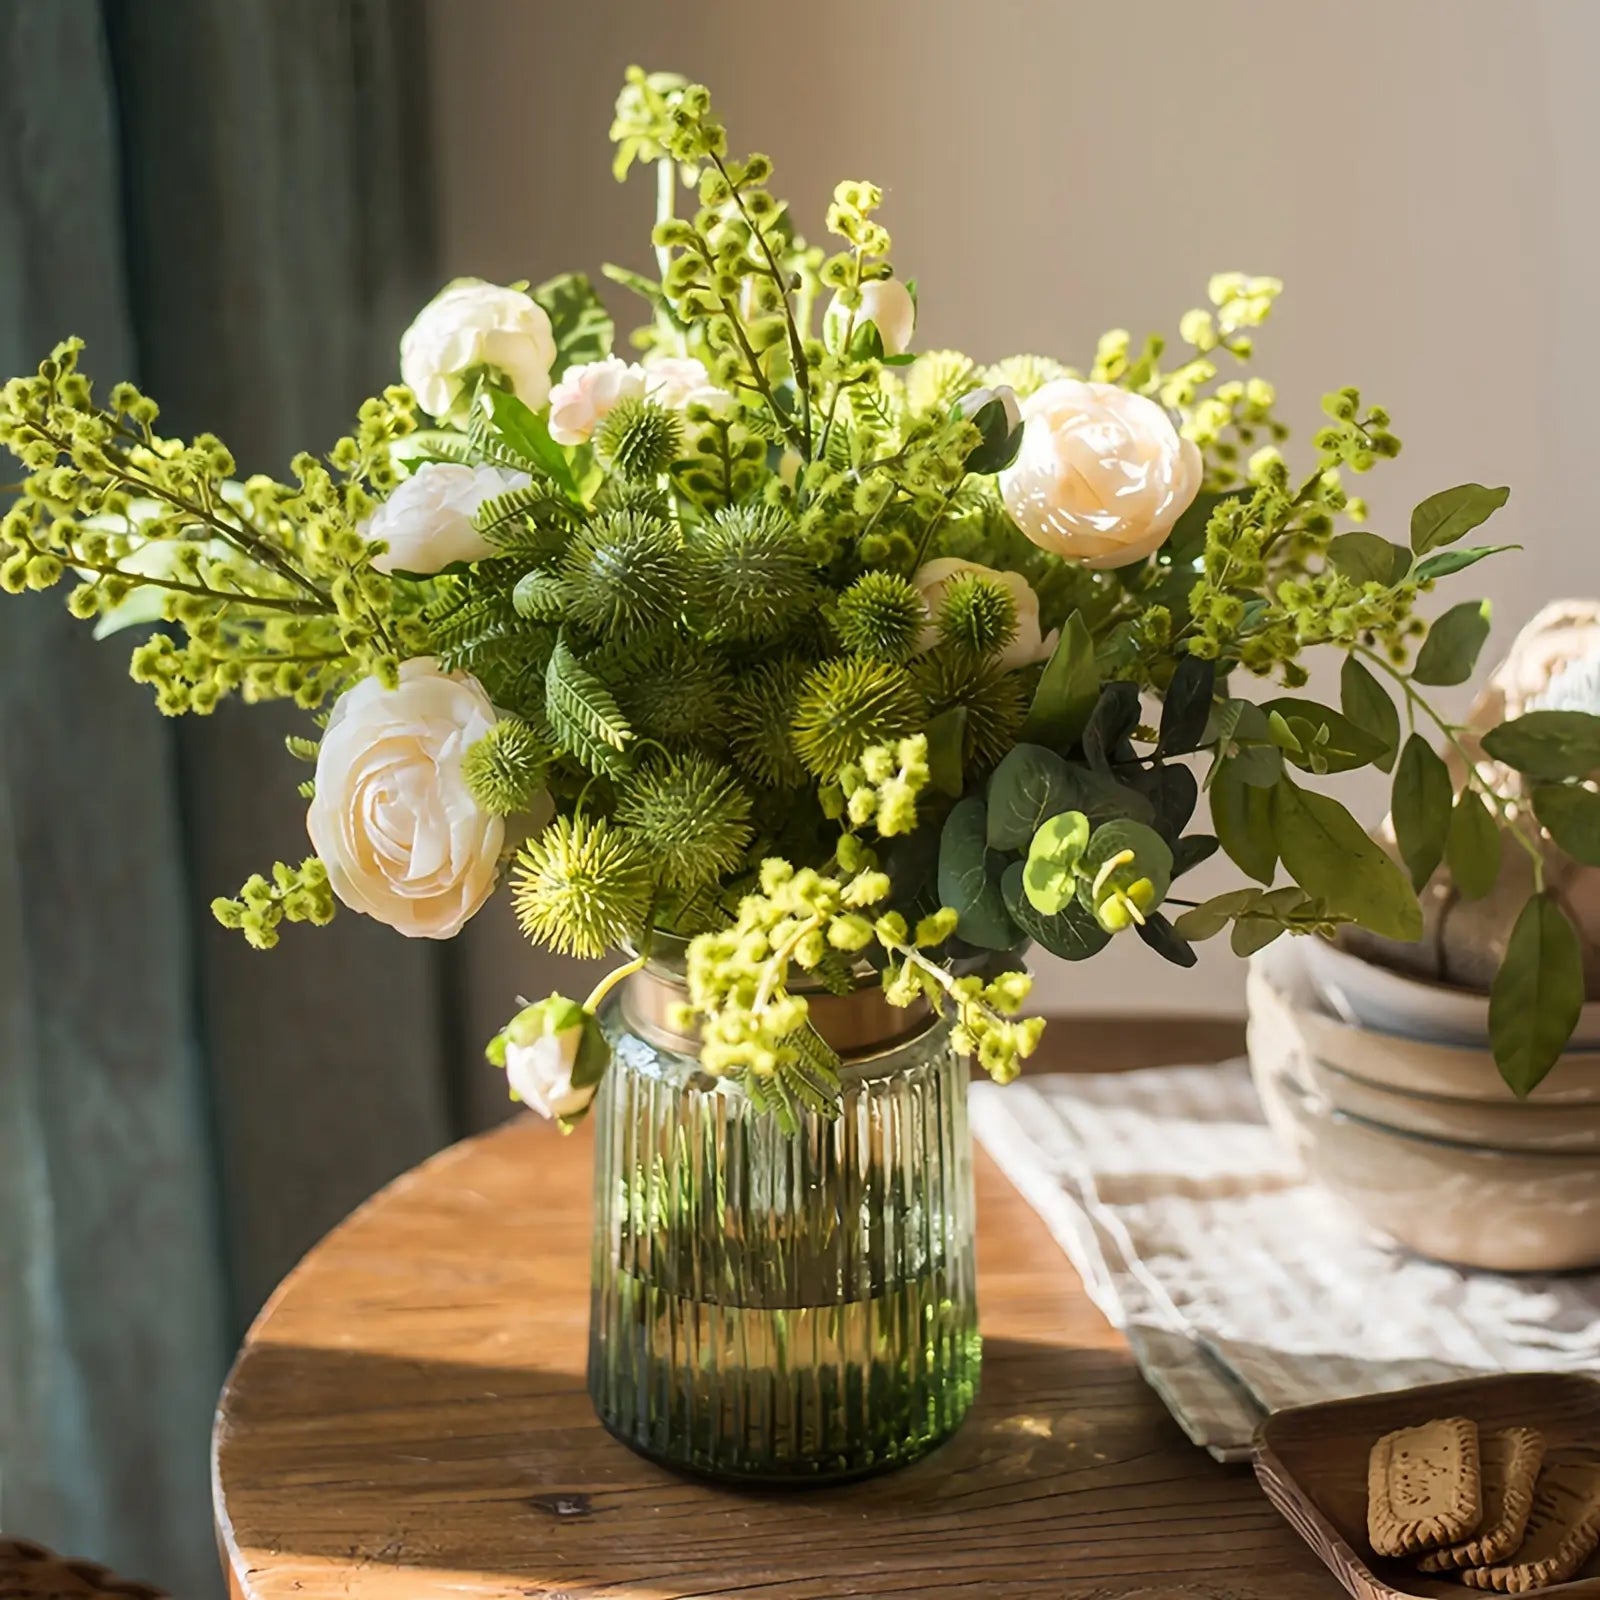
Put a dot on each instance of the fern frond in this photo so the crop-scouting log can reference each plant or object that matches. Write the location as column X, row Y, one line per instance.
column 808, row 1073
column 542, row 596
column 584, row 717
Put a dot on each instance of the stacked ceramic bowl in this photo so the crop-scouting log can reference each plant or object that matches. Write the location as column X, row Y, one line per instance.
column 1386, row 1088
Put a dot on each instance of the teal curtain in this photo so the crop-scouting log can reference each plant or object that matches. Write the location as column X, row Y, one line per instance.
column 229, row 200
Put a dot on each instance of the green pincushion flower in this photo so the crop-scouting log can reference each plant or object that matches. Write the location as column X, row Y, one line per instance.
column 691, row 815
column 845, row 705
column 882, row 615
column 582, row 886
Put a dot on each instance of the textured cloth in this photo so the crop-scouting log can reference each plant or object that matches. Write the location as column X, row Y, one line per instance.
column 1242, row 1288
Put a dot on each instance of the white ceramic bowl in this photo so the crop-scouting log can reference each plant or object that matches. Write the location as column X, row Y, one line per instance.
column 1367, row 995
column 1502, row 1211
column 1281, row 1042
column 1282, row 982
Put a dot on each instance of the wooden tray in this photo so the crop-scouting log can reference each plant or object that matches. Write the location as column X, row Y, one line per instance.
column 1312, row 1462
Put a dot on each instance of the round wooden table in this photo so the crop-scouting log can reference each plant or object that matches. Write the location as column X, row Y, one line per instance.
column 408, row 1419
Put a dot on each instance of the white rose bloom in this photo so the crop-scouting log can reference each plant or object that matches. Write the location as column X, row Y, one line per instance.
column 678, row 382
column 471, row 325
column 427, row 521
column 1102, row 474
column 587, row 394
column 933, row 580
column 542, row 1045
column 887, row 304
column 392, row 819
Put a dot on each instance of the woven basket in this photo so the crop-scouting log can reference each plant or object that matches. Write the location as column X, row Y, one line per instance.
column 30, row 1572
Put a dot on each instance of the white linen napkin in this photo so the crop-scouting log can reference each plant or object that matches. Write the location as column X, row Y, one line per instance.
column 1241, row 1287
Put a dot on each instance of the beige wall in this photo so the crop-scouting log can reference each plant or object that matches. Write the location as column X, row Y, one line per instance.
column 1421, row 172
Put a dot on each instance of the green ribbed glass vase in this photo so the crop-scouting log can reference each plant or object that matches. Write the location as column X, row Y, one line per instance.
column 782, row 1307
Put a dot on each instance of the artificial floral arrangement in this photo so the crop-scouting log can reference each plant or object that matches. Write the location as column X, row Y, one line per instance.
column 827, row 658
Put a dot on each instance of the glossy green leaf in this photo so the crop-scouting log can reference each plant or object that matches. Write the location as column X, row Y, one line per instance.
column 1548, row 744
column 1189, row 851
column 1452, row 514
column 1030, row 784
column 1450, row 651
column 1067, row 691
column 1210, row 917
column 1443, row 562
column 1250, row 934
column 1241, row 814
column 969, row 876
column 1571, row 814
column 1420, row 807
column 1366, row 558
column 1050, row 875
column 1472, row 848
column 1115, row 716
column 1072, row 934
column 1537, row 995
column 526, row 435
column 1329, row 854
column 1367, row 704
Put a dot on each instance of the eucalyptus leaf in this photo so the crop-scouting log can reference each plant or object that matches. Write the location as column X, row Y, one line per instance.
column 1473, row 846
column 1548, row 744
column 1067, row 691
column 1101, row 875
column 1571, row 814
column 1366, row 558
column 1173, row 792
column 1186, row 707
column 1450, row 651
column 1452, row 514
column 1241, row 814
column 1329, row 854
column 1166, row 941
column 1030, row 784
column 1443, row 562
column 1259, row 765
column 969, row 878
column 1208, row 919
column 1115, row 716
column 1073, row 934
column 1050, row 874
column 1367, row 704
column 1420, row 807
column 1189, row 851
column 1253, row 933
column 1537, row 995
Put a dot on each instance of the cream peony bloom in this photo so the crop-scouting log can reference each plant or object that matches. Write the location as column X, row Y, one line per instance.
column 1102, row 474
column 427, row 521
column 933, row 580
column 887, row 304
column 393, row 820
column 542, row 1046
column 587, row 394
column 678, row 382
column 471, row 325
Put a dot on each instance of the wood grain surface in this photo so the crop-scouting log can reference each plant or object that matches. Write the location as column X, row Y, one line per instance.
column 408, row 1418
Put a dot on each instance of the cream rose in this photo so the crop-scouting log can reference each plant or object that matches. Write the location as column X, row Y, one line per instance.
column 544, row 1046
column 678, row 382
column 933, row 579
column 587, row 394
column 1102, row 474
column 393, row 820
column 887, row 304
column 470, row 326
column 427, row 521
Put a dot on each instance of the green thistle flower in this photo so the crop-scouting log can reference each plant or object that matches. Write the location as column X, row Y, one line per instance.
column 845, row 705
column 581, row 886
column 626, row 574
column 881, row 615
column 755, row 572
column 673, row 691
column 936, row 380
column 1025, row 374
column 639, row 440
column 995, row 702
column 505, row 767
column 691, row 815
column 977, row 615
column 758, row 723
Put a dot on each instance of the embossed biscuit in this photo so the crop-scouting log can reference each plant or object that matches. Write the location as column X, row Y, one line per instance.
column 1424, row 1487
column 1563, row 1531
column 1509, row 1459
